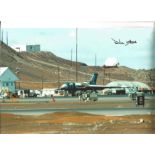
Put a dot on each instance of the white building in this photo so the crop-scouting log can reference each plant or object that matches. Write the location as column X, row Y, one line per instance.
column 7, row 80
column 128, row 85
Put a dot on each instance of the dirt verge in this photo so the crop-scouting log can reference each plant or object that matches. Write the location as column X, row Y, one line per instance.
column 74, row 123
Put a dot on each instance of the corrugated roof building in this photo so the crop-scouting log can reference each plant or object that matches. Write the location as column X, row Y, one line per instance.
column 130, row 84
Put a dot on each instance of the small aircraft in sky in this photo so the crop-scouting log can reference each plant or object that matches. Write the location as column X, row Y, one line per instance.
column 127, row 42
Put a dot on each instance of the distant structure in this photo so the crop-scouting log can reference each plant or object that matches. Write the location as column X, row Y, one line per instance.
column 7, row 80
column 32, row 48
column 111, row 62
column 128, row 85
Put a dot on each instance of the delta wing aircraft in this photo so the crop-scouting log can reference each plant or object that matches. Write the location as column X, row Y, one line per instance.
column 73, row 87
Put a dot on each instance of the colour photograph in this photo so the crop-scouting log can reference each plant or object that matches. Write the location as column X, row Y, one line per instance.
column 78, row 80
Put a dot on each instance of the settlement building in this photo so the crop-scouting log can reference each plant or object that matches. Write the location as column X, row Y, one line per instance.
column 7, row 80
column 32, row 48
column 127, row 86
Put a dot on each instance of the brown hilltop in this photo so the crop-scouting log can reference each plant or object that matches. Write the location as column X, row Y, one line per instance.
column 40, row 69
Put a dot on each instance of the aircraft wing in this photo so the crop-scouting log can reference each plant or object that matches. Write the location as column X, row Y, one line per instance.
column 96, row 87
column 90, row 87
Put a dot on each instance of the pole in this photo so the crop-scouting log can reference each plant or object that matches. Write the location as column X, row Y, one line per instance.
column 71, row 58
column 7, row 38
column 109, row 74
column 95, row 63
column 0, row 32
column 103, row 75
column 76, row 54
column 2, row 37
column 42, row 81
column 71, row 64
column 19, row 85
column 58, row 77
column 18, row 81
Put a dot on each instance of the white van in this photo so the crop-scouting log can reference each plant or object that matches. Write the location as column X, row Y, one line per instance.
column 47, row 92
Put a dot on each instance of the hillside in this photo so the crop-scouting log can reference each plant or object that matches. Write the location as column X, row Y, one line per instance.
column 45, row 69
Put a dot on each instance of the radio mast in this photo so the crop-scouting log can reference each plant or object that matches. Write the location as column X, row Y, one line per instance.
column 7, row 38
column 76, row 54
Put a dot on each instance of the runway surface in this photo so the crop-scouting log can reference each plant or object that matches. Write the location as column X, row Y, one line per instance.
column 114, row 98
column 107, row 105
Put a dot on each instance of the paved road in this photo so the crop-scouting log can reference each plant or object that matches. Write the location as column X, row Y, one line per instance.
column 108, row 105
column 74, row 99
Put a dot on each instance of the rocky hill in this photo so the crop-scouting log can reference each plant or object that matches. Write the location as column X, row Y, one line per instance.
column 45, row 69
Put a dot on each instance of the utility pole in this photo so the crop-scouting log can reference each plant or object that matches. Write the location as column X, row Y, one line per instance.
column 0, row 33
column 71, row 57
column 42, row 81
column 76, row 54
column 95, row 63
column 2, row 37
column 18, row 70
column 103, row 75
column 7, row 38
column 58, row 76
column 109, row 74
column 69, row 71
column 19, row 85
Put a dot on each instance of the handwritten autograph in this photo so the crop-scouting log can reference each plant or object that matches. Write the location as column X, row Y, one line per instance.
column 127, row 42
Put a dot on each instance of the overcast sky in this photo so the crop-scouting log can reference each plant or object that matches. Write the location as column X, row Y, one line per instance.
column 91, row 42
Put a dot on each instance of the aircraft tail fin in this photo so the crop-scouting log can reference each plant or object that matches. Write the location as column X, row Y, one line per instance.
column 93, row 79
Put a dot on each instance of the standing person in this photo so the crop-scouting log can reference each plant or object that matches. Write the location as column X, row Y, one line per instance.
column 80, row 96
column 52, row 98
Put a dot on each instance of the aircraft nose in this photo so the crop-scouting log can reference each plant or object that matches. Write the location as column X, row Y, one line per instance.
column 64, row 86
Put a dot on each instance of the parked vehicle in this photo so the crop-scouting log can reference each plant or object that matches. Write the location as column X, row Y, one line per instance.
column 88, row 96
